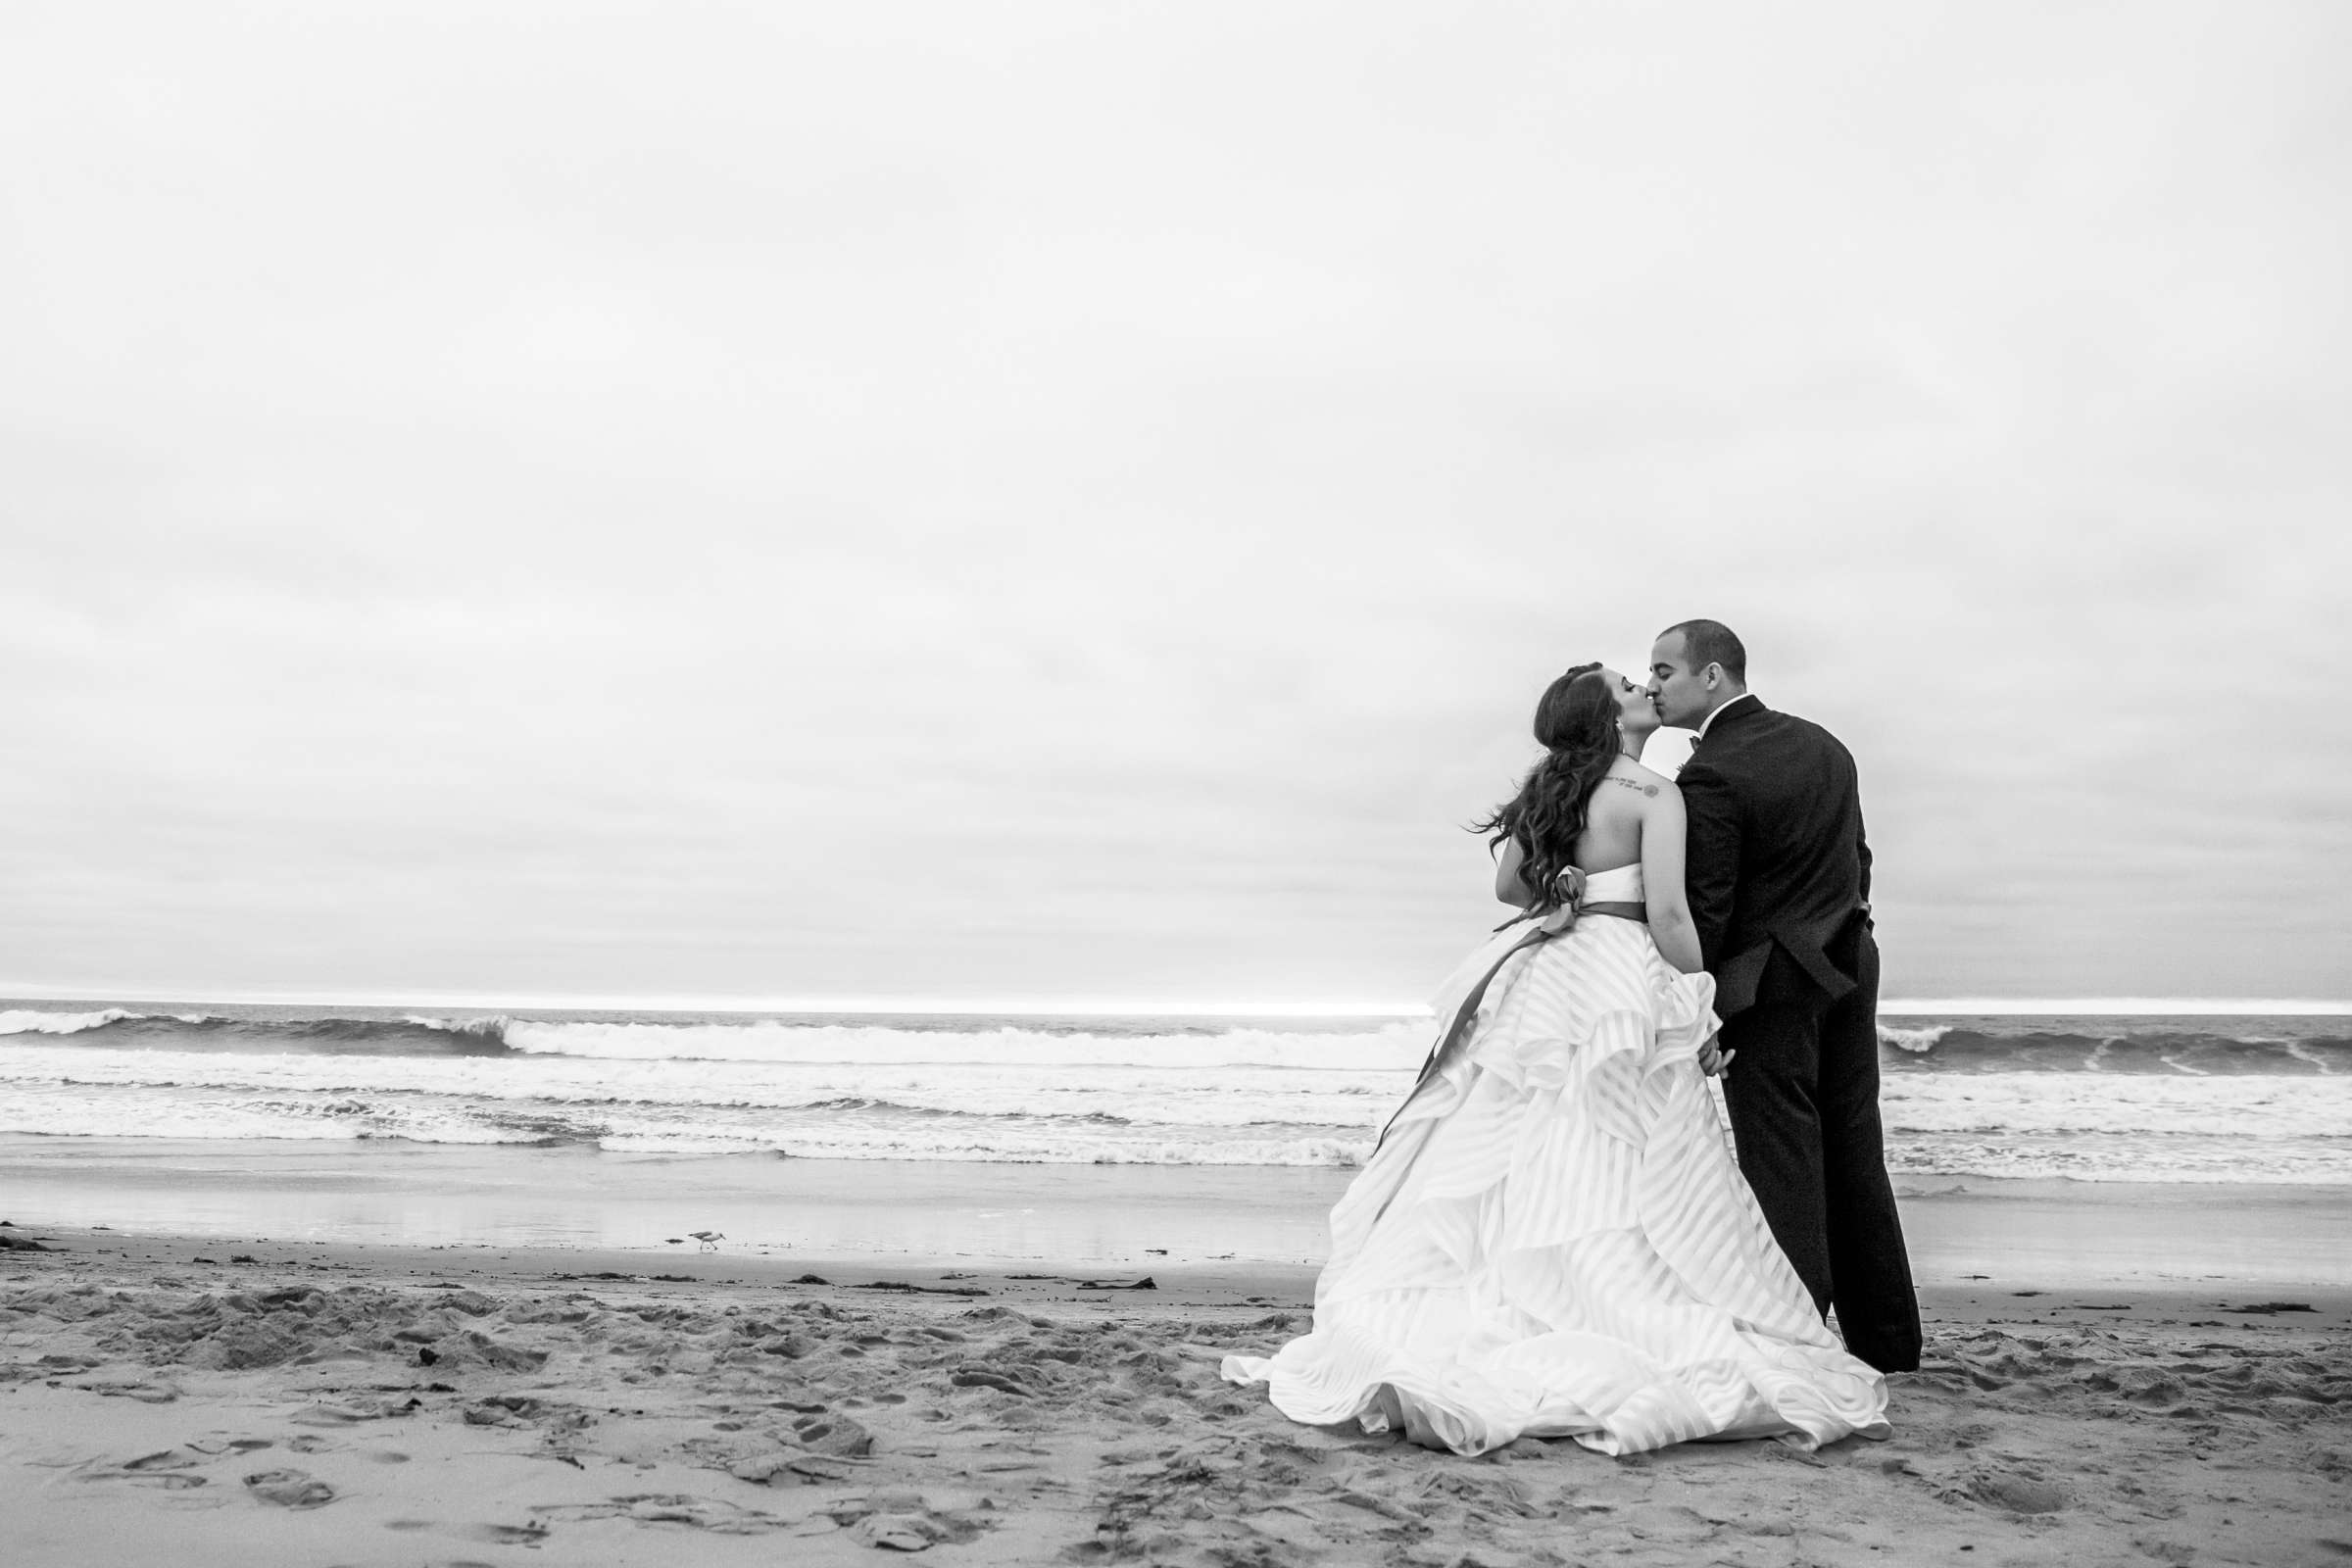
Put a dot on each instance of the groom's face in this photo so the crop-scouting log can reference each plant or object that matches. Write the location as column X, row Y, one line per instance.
column 1678, row 692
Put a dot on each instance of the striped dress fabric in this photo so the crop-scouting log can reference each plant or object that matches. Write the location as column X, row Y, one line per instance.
column 1554, row 1241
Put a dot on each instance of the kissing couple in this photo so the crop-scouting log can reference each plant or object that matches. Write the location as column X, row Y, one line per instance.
column 1551, row 1239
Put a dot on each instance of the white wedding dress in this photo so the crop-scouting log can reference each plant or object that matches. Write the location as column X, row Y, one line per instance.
column 1553, row 1240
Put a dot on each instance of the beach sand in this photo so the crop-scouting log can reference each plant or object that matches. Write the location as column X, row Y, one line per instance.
column 167, row 1398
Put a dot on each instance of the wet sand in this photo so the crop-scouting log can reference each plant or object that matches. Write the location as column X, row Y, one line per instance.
column 167, row 1398
column 929, row 1211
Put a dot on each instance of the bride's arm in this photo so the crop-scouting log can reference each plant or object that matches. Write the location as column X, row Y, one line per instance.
column 1670, row 924
column 1508, row 886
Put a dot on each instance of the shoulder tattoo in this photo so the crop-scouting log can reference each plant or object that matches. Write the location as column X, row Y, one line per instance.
column 1633, row 784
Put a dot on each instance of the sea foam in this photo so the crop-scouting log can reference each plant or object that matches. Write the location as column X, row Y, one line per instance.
column 2090, row 1098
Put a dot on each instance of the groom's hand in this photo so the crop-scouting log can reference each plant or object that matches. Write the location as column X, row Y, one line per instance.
column 1713, row 1059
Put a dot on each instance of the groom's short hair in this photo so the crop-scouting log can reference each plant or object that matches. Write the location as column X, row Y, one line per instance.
column 1711, row 642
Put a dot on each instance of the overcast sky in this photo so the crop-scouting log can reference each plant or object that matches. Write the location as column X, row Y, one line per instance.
column 1079, row 501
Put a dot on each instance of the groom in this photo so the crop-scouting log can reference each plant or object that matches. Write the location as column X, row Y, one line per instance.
column 1779, row 878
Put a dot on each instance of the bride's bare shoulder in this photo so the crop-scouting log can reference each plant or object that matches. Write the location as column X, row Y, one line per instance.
column 1632, row 776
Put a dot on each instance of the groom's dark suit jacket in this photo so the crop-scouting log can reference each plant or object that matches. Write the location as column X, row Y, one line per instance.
column 1779, row 876
column 1778, row 868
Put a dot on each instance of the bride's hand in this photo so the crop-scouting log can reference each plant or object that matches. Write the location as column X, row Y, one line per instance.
column 1713, row 1059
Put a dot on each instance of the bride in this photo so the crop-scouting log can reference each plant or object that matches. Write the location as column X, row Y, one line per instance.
column 1551, row 1239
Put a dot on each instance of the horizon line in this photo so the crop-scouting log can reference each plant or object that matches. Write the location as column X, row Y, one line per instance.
column 1111, row 1008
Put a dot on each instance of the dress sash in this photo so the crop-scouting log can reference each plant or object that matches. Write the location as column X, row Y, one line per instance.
column 1467, row 1012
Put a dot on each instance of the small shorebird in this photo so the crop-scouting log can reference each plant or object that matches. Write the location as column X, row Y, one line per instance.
column 709, row 1239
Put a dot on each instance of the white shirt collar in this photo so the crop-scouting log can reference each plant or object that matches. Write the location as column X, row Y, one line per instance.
column 1718, row 714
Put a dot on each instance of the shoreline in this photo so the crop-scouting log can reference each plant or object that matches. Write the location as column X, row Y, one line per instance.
column 164, row 1401
column 926, row 1212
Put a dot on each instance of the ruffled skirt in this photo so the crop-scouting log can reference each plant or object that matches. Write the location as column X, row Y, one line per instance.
column 1554, row 1241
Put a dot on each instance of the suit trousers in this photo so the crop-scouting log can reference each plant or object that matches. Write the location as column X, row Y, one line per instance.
column 1804, row 1101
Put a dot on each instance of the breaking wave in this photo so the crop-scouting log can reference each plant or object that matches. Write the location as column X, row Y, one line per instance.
column 2103, row 1099
column 405, row 1036
column 2158, row 1046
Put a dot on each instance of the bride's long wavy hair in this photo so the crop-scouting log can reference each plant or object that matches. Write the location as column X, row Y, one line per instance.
column 1576, row 724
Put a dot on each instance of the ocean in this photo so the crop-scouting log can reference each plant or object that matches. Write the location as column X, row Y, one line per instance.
column 2128, row 1098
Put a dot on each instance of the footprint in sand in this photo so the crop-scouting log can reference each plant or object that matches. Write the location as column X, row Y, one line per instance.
column 166, row 1469
column 893, row 1531
column 232, row 1446
column 144, row 1393
column 703, row 1513
column 290, row 1488
column 903, row 1519
column 2017, row 1493
column 835, row 1433
column 165, row 1460
column 327, row 1414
